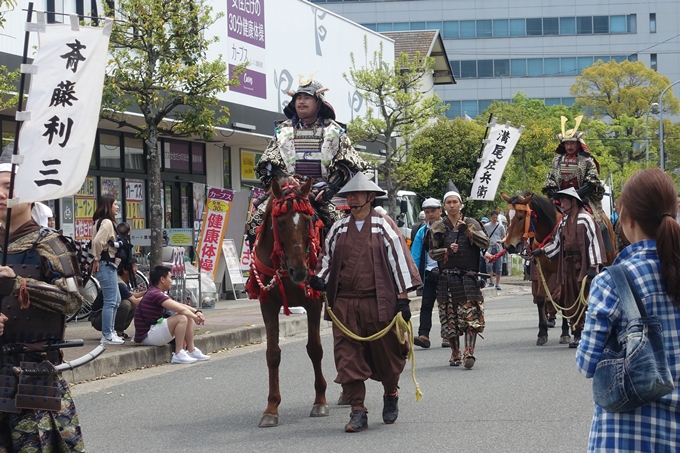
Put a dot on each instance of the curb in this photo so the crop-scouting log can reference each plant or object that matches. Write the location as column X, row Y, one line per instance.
column 113, row 363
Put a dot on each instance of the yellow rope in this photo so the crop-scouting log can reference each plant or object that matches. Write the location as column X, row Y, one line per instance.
column 401, row 327
column 580, row 300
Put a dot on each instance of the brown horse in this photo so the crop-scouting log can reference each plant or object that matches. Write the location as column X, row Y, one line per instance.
column 284, row 259
column 536, row 216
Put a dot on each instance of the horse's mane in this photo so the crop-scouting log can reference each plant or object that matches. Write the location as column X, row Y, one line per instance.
column 282, row 182
column 542, row 206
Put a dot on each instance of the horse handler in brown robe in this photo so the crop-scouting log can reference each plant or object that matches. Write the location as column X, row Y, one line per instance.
column 577, row 244
column 366, row 271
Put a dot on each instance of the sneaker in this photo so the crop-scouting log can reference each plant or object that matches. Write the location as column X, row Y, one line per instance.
column 390, row 408
column 358, row 421
column 198, row 355
column 498, row 287
column 113, row 339
column 182, row 357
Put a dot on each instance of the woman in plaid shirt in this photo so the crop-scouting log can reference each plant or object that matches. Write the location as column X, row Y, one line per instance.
column 648, row 210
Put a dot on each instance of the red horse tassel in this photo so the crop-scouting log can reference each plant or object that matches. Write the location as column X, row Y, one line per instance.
column 255, row 287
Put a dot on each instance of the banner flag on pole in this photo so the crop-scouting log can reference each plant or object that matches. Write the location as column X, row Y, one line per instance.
column 500, row 143
column 62, row 111
column 217, row 209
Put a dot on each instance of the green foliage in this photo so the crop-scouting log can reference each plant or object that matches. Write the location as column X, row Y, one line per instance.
column 617, row 98
column 396, row 110
column 453, row 146
column 158, row 64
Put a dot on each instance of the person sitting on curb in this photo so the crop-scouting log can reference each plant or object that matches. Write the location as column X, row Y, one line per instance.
column 153, row 329
column 125, row 312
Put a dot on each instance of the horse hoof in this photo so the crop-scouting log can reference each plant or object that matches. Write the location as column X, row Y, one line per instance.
column 551, row 323
column 269, row 421
column 543, row 339
column 342, row 400
column 565, row 339
column 320, row 410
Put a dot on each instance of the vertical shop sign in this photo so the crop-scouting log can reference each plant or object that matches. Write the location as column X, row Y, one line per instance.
column 215, row 221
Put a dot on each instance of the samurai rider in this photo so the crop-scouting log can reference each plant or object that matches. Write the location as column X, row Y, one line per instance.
column 574, row 166
column 40, row 284
column 455, row 244
column 309, row 144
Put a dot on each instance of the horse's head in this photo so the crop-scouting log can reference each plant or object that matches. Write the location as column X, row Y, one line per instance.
column 519, row 211
column 292, row 224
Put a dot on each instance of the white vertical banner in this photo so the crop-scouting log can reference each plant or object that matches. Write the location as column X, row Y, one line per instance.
column 62, row 112
column 498, row 148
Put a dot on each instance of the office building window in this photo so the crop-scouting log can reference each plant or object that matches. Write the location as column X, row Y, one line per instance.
column 552, row 101
column 534, row 27
column 604, row 59
column 601, row 24
column 517, row 27
column 501, row 68
column 450, row 29
column 455, row 66
column 584, row 25
column 618, row 59
column 385, row 27
column 584, row 62
column 418, row 25
column 484, row 104
column 568, row 101
column 551, row 26
column 617, row 24
column 518, row 68
column 484, row 29
column 567, row 26
column 551, row 66
column 652, row 61
column 535, row 67
column 467, row 28
column 652, row 22
column 569, row 66
column 470, row 108
column 434, row 26
column 484, row 69
column 500, row 28
column 370, row 26
column 454, row 109
column 632, row 23
column 633, row 57
column 401, row 26
column 468, row 69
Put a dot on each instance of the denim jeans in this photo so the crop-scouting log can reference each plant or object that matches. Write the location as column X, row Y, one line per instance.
column 427, row 304
column 108, row 280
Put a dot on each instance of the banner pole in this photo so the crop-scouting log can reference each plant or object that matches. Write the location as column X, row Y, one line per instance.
column 22, row 84
column 486, row 135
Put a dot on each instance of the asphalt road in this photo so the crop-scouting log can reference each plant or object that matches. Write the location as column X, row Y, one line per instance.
column 518, row 398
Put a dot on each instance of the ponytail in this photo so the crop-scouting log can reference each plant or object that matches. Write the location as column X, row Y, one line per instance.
column 668, row 248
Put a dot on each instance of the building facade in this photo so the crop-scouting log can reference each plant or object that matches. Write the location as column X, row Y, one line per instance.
column 498, row 48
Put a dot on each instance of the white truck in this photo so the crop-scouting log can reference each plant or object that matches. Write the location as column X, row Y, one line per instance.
column 408, row 206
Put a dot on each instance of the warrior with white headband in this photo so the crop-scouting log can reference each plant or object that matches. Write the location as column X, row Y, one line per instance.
column 455, row 243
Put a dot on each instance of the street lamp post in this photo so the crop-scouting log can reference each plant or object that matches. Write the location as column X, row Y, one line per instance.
column 662, row 156
column 653, row 108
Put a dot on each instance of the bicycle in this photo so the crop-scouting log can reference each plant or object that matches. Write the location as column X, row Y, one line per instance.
column 92, row 290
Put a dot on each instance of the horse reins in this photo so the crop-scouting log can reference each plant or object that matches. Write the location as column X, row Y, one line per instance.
column 277, row 271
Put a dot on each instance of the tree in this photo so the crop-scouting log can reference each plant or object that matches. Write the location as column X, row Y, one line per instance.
column 158, row 64
column 396, row 110
column 453, row 146
column 7, row 78
column 619, row 95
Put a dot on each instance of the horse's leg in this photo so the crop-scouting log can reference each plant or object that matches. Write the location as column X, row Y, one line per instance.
column 270, row 315
column 542, row 321
column 315, row 353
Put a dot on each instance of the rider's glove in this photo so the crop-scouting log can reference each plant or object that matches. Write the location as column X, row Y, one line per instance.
column 537, row 252
column 317, row 283
column 403, row 308
column 592, row 272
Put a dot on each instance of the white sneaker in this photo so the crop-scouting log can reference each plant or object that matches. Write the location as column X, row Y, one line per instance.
column 198, row 355
column 182, row 357
column 113, row 339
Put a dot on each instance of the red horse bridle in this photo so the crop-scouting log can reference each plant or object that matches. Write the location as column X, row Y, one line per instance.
column 277, row 272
